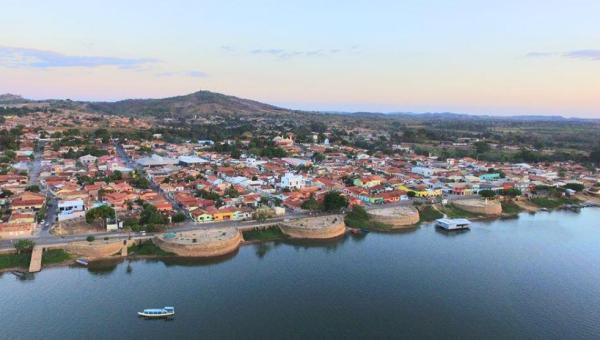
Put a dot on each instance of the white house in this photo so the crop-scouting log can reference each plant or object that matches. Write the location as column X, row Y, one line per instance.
column 87, row 159
column 292, row 181
column 423, row 171
column 68, row 209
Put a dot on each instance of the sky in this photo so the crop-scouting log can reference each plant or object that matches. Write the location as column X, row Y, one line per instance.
column 509, row 57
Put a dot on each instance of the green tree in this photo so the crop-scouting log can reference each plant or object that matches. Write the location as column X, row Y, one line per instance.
column 318, row 157
column 150, row 216
column 33, row 188
column 574, row 186
column 179, row 217
column 481, row 147
column 102, row 212
column 512, row 192
column 334, row 201
column 24, row 246
column 487, row 193
column 116, row 176
column 310, row 204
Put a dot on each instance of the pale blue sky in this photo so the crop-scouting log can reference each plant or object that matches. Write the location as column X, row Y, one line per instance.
column 493, row 57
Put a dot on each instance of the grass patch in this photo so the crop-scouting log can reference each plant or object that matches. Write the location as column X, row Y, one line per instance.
column 15, row 260
column 428, row 213
column 510, row 208
column 264, row 235
column 552, row 203
column 452, row 211
column 147, row 248
column 53, row 256
column 359, row 218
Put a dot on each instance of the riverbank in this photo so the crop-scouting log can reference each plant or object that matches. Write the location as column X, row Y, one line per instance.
column 334, row 227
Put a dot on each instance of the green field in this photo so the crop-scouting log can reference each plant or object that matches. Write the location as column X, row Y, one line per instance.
column 452, row 211
column 53, row 256
column 428, row 213
column 510, row 208
column 264, row 235
column 147, row 248
column 15, row 260
column 552, row 203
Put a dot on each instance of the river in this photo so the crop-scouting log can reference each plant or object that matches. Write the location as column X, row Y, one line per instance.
column 536, row 276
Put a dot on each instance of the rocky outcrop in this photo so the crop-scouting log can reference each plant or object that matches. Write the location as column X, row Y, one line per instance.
column 322, row 227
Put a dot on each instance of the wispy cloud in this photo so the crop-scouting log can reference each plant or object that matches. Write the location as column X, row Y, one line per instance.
column 29, row 57
column 577, row 54
column 281, row 53
column 584, row 54
column 192, row 74
column 540, row 54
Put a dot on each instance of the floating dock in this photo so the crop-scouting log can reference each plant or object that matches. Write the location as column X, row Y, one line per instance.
column 453, row 223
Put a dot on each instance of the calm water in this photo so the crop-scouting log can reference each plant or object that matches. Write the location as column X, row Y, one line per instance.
column 532, row 277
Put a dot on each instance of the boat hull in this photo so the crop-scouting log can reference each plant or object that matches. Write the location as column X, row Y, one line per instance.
column 156, row 316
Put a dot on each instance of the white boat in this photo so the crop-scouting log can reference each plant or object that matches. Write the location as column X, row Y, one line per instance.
column 157, row 313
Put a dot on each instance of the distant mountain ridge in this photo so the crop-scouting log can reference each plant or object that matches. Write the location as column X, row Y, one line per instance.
column 9, row 98
column 207, row 103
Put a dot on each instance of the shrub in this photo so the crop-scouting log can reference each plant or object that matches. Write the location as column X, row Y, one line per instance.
column 24, row 246
column 179, row 217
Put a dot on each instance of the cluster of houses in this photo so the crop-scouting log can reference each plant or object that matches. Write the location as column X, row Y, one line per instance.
column 209, row 186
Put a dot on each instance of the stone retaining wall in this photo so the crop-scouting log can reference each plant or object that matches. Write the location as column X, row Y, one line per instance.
column 398, row 217
column 323, row 227
column 96, row 249
column 479, row 207
column 206, row 248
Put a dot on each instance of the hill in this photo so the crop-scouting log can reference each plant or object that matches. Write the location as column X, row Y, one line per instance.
column 198, row 103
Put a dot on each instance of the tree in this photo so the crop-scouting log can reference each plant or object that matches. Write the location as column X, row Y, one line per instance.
column 411, row 194
column 358, row 213
column 102, row 212
column 334, row 201
column 574, row 186
column 512, row 192
column 595, row 155
column 310, row 204
column 481, row 147
column 487, row 193
column 116, row 176
column 235, row 153
column 231, row 192
column 179, row 217
column 33, row 188
column 24, row 246
column 150, row 216
column 318, row 157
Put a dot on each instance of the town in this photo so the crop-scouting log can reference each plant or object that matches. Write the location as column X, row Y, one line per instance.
column 70, row 174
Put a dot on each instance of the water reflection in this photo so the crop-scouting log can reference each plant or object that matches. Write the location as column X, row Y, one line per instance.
column 451, row 233
column 104, row 267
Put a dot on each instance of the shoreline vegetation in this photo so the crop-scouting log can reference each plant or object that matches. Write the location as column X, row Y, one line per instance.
column 357, row 218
